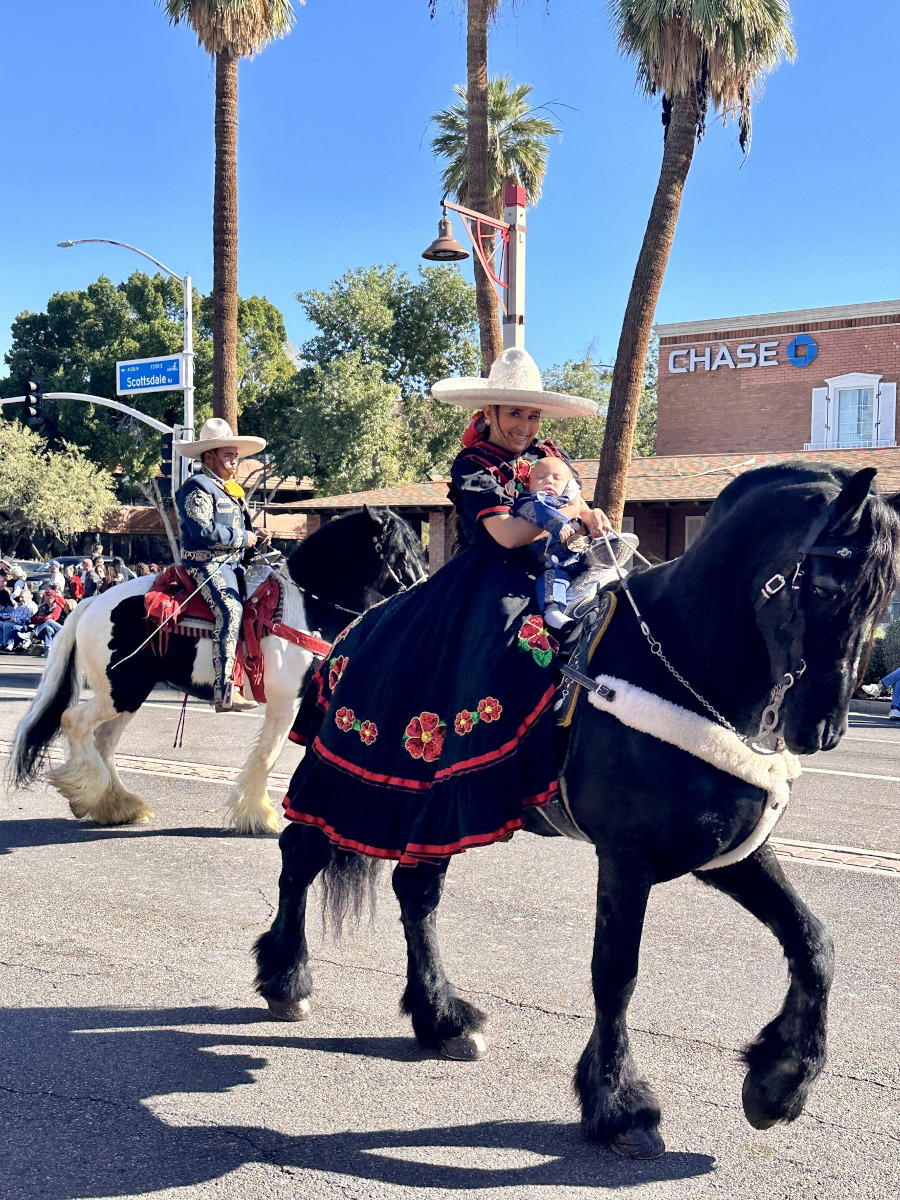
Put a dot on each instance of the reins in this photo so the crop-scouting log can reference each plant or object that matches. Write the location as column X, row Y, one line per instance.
column 765, row 741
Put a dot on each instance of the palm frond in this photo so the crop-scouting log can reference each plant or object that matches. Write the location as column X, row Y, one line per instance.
column 240, row 28
column 720, row 50
column 517, row 142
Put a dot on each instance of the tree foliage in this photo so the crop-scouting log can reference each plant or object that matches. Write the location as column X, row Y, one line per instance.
column 381, row 334
column 582, row 437
column 58, row 493
column 76, row 342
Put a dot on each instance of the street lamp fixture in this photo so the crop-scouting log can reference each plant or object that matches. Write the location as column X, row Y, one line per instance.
column 187, row 432
column 445, row 247
column 509, row 239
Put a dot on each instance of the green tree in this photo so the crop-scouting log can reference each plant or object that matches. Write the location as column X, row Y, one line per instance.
column 410, row 333
column 580, row 437
column 76, row 342
column 696, row 53
column 58, row 493
column 229, row 30
column 342, row 427
column 517, row 152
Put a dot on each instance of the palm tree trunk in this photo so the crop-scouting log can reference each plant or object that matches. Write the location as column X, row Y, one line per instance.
column 477, row 17
column 637, row 326
column 225, row 243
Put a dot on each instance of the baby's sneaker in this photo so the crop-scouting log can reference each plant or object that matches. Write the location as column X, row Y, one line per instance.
column 556, row 618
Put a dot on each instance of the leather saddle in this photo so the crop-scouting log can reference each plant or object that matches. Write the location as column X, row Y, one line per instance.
column 174, row 605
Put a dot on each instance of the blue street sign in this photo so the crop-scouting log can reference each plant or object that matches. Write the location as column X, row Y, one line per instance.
column 150, row 375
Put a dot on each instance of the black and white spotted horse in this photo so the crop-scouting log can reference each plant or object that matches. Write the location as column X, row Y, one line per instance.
column 340, row 570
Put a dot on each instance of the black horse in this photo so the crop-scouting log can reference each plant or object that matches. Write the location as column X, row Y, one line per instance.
column 334, row 575
column 759, row 631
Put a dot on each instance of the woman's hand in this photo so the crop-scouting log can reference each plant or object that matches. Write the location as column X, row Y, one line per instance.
column 595, row 521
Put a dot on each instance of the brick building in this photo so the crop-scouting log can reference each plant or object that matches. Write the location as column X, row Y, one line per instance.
column 815, row 379
column 741, row 392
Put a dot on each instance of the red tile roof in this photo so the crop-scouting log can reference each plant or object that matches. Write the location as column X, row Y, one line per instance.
column 429, row 495
column 699, row 477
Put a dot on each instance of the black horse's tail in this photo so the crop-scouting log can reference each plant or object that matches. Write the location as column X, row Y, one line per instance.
column 59, row 688
column 348, row 889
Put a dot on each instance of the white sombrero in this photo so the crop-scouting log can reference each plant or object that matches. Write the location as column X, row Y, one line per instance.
column 514, row 379
column 216, row 435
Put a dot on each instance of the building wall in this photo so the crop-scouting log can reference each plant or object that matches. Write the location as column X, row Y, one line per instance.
column 762, row 407
column 661, row 527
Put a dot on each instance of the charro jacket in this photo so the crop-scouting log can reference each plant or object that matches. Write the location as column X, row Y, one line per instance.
column 210, row 519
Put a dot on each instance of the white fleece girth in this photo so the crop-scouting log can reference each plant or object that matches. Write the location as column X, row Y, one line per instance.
column 713, row 744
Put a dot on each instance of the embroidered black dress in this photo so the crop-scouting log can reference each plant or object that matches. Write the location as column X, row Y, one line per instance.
column 434, row 729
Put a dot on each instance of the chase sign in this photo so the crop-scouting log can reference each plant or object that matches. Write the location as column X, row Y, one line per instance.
column 799, row 352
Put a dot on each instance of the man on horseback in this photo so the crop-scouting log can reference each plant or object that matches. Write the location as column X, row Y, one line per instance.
column 216, row 527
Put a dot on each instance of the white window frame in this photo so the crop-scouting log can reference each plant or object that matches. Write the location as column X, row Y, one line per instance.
column 884, row 399
column 692, row 526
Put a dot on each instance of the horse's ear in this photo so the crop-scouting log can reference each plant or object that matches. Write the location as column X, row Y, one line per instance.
column 850, row 503
column 375, row 515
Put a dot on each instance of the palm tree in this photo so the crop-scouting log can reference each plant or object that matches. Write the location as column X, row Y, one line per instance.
column 229, row 30
column 697, row 53
column 517, row 154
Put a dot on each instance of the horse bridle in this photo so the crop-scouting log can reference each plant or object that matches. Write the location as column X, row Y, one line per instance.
column 776, row 584
column 765, row 741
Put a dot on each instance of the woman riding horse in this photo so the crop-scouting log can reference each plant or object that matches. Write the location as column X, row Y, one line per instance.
column 433, row 726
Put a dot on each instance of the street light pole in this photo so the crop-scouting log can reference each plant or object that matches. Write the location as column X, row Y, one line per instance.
column 511, row 278
column 187, row 429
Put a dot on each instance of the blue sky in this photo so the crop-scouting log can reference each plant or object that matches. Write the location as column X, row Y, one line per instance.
column 106, row 121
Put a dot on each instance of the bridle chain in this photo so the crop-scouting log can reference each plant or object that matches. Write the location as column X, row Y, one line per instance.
column 769, row 719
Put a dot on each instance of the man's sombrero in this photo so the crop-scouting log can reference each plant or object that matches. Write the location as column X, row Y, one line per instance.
column 514, row 379
column 216, row 435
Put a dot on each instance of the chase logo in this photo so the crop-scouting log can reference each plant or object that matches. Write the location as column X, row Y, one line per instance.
column 801, row 350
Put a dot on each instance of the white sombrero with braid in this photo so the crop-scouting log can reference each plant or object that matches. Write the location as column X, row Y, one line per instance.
column 216, row 435
column 514, row 379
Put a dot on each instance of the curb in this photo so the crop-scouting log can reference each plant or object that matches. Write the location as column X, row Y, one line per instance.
column 870, row 708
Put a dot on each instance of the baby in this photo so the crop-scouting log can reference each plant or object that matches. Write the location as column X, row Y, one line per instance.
column 551, row 504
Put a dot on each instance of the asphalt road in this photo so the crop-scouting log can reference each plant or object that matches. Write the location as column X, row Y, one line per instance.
column 137, row 1060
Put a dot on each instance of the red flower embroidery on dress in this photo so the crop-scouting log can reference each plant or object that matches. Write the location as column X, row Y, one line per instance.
column 522, row 473
column 368, row 732
column 336, row 670
column 489, row 709
column 424, row 736
column 464, row 722
column 344, row 718
column 535, row 638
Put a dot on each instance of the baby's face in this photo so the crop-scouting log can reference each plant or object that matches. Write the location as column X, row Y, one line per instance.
column 549, row 475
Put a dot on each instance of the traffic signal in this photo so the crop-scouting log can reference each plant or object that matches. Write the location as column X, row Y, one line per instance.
column 34, row 401
column 165, row 462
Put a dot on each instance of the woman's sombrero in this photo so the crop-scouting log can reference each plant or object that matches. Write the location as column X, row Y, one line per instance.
column 216, row 435
column 514, row 379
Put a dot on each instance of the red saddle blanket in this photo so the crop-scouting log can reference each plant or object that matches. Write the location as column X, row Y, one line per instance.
column 173, row 597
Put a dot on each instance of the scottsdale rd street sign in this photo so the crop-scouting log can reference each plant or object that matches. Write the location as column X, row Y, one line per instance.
column 150, row 375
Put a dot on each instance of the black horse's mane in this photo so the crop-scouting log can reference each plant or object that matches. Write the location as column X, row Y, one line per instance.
column 760, row 497
column 339, row 549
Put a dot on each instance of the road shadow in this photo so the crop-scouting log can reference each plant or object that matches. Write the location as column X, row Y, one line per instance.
column 73, row 1082
column 67, row 831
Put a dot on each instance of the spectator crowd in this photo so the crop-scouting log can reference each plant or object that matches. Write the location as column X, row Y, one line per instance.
column 33, row 612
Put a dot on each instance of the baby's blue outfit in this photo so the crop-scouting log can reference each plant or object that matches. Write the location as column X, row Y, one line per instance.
column 562, row 564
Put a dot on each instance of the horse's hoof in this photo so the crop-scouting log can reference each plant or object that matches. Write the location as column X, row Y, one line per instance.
column 288, row 1010
column 754, row 1110
column 638, row 1143
column 468, row 1047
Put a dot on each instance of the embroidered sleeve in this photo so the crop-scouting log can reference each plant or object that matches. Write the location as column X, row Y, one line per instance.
column 478, row 492
column 199, row 506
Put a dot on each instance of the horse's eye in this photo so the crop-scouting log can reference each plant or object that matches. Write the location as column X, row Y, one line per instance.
column 826, row 593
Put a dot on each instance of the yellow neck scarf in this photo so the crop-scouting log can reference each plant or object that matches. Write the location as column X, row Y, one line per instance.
column 233, row 489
